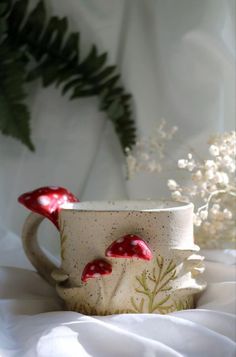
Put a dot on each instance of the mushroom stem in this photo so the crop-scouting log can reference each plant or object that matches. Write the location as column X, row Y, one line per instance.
column 103, row 294
column 99, row 293
column 100, row 302
column 118, row 284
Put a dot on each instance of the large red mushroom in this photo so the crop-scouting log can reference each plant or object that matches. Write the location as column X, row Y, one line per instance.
column 47, row 201
column 95, row 269
column 129, row 246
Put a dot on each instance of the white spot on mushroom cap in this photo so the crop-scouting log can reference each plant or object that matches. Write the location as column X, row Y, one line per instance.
column 43, row 200
column 92, row 267
column 120, row 248
column 96, row 275
column 108, row 253
column 101, row 264
column 27, row 198
column 134, row 242
column 54, row 187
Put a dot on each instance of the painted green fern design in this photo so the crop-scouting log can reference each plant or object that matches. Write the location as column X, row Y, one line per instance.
column 87, row 309
column 153, row 292
column 184, row 305
column 151, row 285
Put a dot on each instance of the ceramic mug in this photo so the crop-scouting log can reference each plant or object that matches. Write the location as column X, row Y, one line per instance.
column 122, row 256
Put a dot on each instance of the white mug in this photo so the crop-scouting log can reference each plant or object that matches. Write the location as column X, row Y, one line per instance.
column 122, row 256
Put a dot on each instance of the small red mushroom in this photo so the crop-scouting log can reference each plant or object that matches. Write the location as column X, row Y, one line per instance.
column 96, row 269
column 47, row 201
column 129, row 246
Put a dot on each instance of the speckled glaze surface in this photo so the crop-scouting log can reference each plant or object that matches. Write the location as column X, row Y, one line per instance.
column 166, row 283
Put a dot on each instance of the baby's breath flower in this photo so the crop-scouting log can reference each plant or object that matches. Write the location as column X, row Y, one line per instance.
column 197, row 176
column 190, row 165
column 172, row 185
column 197, row 220
column 209, row 174
column 176, row 195
column 212, row 184
column 223, row 149
column 227, row 214
column 232, row 167
column 215, row 207
column 224, row 178
column 149, row 152
column 182, row 164
column 209, row 164
column 212, row 188
column 214, row 150
column 203, row 214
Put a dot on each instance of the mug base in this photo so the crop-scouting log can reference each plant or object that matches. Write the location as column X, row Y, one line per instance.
column 86, row 309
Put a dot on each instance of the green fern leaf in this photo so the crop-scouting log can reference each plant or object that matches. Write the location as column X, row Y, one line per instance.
column 70, row 84
column 70, row 49
column 16, row 17
column 33, row 26
column 54, row 55
column 104, row 74
column 14, row 114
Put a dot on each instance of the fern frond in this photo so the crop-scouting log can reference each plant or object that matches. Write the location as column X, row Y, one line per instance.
column 14, row 114
column 56, row 60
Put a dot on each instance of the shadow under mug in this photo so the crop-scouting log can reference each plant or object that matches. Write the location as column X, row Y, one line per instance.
column 93, row 281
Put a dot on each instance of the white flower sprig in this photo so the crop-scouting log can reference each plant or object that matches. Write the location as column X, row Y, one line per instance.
column 148, row 153
column 213, row 183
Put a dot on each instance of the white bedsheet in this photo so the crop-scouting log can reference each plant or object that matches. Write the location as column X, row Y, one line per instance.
column 32, row 323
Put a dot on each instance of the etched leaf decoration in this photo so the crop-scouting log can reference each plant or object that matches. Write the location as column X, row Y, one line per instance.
column 151, row 286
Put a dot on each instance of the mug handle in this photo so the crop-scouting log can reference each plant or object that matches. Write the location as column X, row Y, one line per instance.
column 32, row 249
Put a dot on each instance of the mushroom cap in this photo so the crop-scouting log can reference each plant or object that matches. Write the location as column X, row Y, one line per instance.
column 95, row 269
column 47, row 201
column 129, row 246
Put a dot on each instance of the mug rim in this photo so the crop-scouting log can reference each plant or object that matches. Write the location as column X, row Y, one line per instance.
column 113, row 206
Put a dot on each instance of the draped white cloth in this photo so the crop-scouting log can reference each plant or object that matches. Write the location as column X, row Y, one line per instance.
column 177, row 58
column 31, row 323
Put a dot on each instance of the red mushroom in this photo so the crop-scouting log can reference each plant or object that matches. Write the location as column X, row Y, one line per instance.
column 47, row 201
column 96, row 269
column 129, row 246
